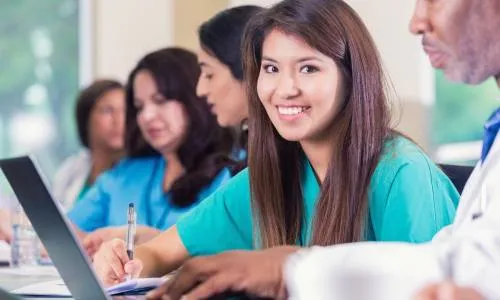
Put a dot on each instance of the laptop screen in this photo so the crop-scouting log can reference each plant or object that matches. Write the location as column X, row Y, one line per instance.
column 53, row 228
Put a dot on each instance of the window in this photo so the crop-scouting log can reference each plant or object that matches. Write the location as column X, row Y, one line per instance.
column 458, row 117
column 39, row 59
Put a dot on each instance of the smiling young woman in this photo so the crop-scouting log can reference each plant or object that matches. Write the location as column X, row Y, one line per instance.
column 324, row 165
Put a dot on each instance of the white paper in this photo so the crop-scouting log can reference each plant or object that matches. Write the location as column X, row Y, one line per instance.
column 57, row 288
column 134, row 285
column 31, row 271
column 4, row 252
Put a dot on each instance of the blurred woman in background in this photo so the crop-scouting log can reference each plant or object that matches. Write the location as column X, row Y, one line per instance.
column 221, row 81
column 100, row 120
column 177, row 155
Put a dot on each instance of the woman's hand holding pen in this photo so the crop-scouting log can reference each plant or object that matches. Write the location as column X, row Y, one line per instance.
column 93, row 241
column 112, row 263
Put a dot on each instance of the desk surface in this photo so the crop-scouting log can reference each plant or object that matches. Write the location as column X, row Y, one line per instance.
column 10, row 281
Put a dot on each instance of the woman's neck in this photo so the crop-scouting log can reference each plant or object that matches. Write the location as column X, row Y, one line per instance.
column 173, row 171
column 319, row 152
column 102, row 160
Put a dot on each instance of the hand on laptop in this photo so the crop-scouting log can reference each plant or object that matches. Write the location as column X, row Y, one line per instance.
column 112, row 264
column 258, row 273
column 448, row 291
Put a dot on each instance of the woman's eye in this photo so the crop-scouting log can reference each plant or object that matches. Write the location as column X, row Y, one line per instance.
column 270, row 69
column 107, row 110
column 308, row 69
column 138, row 105
column 159, row 100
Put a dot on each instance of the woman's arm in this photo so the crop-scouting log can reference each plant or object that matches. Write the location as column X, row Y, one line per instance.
column 156, row 257
column 93, row 241
column 163, row 254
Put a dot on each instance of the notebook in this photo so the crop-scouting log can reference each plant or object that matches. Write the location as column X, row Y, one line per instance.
column 57, row 288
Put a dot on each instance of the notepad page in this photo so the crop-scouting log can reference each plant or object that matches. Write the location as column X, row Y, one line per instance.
column 57, row 288
column 135, row 284
column 54, row 288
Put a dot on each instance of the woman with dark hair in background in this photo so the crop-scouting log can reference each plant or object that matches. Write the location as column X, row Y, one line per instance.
column 100, row 120
column 221, row 80
column 176, row 155
column 325, row 167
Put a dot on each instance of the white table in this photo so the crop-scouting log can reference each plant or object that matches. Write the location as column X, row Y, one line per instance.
column 11, row 279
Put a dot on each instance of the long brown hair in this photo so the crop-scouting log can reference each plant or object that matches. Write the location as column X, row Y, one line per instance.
column 362, row 125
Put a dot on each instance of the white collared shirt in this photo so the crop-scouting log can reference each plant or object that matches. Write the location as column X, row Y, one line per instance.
column 71, row 177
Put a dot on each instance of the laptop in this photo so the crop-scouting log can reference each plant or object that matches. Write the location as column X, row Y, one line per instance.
column 4, row 295
column 53, row 228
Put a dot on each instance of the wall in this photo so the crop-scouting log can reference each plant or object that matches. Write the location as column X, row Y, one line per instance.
column 405, row 64
column 187, row 20
column 126, row 30
column 388, row 20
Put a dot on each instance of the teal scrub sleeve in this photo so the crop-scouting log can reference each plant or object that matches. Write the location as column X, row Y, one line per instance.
column 221, row 222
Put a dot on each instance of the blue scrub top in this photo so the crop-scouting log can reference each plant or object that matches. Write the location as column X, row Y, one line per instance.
column 138, row 181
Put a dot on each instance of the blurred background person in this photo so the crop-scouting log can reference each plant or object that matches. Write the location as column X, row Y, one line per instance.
column 100, row 120
column 177, row 155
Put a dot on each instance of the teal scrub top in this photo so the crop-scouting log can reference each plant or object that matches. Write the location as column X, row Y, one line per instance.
column 138, row 181
column 409, row 199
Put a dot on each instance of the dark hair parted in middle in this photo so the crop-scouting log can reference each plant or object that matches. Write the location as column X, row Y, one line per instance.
column 362, row 126
column 221, row 36
column 205, row 149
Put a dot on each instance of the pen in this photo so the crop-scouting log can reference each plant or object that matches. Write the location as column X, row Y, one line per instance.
column 131, row 223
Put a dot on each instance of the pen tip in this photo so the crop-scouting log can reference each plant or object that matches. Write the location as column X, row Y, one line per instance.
column 130, row 205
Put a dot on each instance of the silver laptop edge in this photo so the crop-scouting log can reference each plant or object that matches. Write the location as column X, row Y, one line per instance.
column 53, row 228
